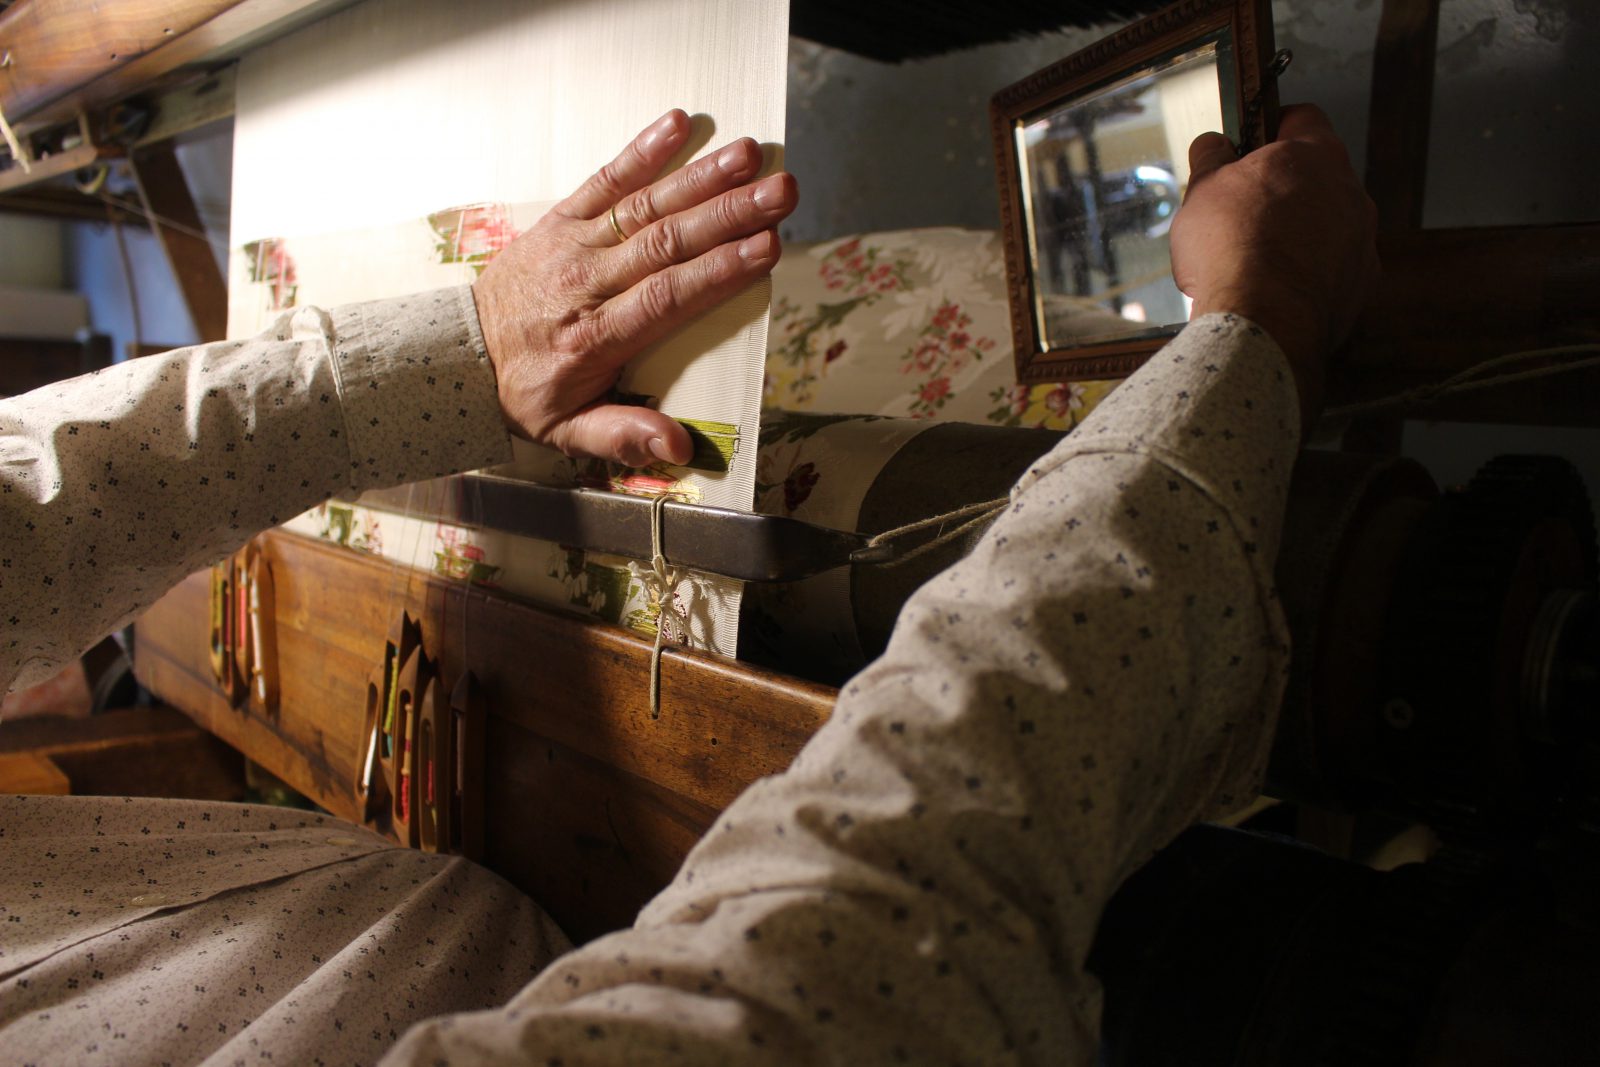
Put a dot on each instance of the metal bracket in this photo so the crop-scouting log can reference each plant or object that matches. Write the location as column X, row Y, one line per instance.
column 735, row 544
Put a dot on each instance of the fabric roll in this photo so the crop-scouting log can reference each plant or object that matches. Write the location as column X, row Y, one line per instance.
column 869, row 474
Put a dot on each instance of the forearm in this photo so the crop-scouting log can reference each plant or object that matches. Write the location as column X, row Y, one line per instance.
column 116, row 485
column 924, row 883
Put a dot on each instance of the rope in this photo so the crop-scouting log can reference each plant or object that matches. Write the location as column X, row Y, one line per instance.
column 661, row 581
column 976, row 515
column 1469, row 380
column 133, row 286
column 159, row 220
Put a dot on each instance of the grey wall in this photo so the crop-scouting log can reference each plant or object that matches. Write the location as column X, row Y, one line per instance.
column 94, row 266
column 30, row 253
column 881, row 146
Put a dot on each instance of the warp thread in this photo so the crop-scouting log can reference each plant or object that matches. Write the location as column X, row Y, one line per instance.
column 1469, row 380
column 976, row 515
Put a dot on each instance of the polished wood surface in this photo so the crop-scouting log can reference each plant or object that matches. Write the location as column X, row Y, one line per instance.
column 133, row 752
column 591, row 802
column 29, row 363
column 27, row 774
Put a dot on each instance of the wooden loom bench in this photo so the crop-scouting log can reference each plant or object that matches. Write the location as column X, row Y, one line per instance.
column 591, row 804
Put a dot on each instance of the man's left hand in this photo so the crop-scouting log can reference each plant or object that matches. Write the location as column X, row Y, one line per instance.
column 568, row 304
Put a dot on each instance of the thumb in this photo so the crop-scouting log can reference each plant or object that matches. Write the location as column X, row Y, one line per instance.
column 623, row 433
column 1209, row 153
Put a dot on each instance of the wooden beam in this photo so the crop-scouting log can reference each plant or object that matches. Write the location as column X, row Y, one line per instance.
column 1401, row 111
column 69, row 56
column 56, row 46
column 176, row 222
column 1451, row 299
column 136, row 752
column 41, row 170
column 56, row 203
column 191, row 106
column 578, row 683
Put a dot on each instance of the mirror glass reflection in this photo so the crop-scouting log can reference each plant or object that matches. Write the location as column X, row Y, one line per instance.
column 1103, row 177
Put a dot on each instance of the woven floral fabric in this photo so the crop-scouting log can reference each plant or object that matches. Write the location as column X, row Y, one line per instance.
column 912, row 323
column 908, row 324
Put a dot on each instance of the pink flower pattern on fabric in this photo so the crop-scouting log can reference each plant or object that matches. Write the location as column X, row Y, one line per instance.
column 873, row 323
column 798, row 485
column 861, row 278
column 472, row 234
column 943, row 349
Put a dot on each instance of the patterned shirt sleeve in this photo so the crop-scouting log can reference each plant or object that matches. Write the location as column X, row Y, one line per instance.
column 924, row 883
column 116, row 485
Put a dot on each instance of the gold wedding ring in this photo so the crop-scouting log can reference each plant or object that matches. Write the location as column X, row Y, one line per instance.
column 616, row 227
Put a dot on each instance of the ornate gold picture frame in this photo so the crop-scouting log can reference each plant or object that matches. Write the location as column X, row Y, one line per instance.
column 1092, row 163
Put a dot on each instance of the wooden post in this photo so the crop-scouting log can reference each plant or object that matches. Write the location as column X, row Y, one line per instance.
column 1401, row 111
column 165, row 193
column 1398, row 118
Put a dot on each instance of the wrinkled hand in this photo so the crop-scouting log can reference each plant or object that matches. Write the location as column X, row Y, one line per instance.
column 567, row 304
column 1283, row 236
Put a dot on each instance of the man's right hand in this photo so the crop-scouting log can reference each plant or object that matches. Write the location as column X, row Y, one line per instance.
column 1284, row 237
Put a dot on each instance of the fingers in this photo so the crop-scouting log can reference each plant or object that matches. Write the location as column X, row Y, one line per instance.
column 689, row 234
column 653, row 308
column 1209, row 153
column 666, row 299
column 1304, row 122
column 624, row 433
column 1309, row 124
column 637, row 165
column 728, row 168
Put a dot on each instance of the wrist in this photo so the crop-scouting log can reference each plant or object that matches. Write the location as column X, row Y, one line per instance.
column 1299, row 332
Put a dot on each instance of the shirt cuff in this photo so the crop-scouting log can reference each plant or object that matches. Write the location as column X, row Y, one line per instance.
column 1217, row 405
column 417, row 388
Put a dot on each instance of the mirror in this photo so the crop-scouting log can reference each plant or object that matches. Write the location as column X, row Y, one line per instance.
column 1094, row 161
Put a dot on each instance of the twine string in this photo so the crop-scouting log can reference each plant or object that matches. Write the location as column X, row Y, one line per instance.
column 661, row 583
column 975, row 515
